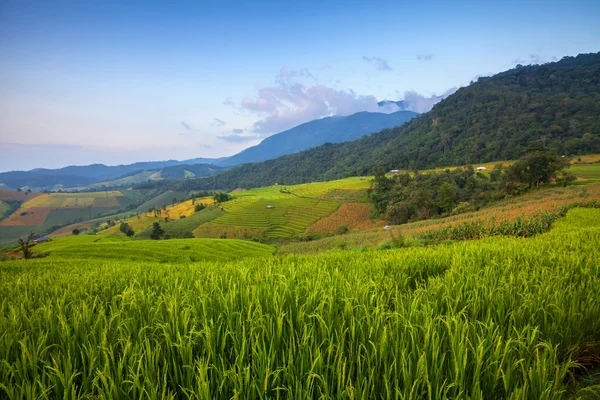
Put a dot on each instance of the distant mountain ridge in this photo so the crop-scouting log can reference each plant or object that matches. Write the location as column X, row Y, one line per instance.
column 305, row 136
column 317, row 132
column 81, row 176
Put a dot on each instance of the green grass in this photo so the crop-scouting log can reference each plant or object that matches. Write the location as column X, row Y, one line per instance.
column 586, row 171
column 499, row 318
column 88, row 247
column 181, row 228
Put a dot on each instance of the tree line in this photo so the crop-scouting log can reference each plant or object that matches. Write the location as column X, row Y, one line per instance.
column 408, row 197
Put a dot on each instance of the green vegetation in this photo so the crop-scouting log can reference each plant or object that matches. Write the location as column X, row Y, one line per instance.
column 90, row 247
column 497, row 318
column 405, row 197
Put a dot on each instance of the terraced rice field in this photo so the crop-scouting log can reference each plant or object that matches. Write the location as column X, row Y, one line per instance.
column 289, row 216
column 144, row 220
column 88, row 247
column 294, row 209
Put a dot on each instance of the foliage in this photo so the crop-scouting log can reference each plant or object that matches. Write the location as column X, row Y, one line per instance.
column 157, row 232
column 221, row 197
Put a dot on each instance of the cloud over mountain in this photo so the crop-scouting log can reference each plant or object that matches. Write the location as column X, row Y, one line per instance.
column 296, row 97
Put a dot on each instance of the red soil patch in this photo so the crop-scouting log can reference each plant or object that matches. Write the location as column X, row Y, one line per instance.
column 352, row 215
column 14, row 195
column 35, row 216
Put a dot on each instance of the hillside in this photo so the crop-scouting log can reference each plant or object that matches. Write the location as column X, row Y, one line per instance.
column 494, row 118
column 97, row 175
column 317, row 132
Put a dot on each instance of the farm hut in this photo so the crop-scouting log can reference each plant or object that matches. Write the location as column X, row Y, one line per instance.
column 395, row 171
column 270, row 207
column 481, row 168
column 386, row 227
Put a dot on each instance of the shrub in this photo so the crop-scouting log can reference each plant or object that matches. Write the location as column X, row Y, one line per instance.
column 342, row 229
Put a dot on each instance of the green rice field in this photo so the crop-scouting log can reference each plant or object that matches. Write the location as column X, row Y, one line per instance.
column 497, row 318
column 86, row 247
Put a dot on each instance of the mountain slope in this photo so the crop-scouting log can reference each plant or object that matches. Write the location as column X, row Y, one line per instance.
column 492, row 119
column 88, row 175
column 318, row 132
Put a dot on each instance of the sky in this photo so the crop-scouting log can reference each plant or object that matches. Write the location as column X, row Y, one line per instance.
column 116, row 82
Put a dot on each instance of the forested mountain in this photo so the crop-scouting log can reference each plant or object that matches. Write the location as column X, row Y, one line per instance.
column 495, row 118
column 315, row 133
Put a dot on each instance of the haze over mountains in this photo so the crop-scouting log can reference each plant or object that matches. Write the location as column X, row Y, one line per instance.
column 313, row 133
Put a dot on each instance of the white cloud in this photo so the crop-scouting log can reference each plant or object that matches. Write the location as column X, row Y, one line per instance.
column 418, row 103
column 290, row 101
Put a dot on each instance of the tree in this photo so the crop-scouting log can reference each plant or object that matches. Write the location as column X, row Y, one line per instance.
column 199, row 207
column 537, row 167
column 124, row 228
column 75, row 231
column 130, row 233
column 446, row 197
column 157, row 231
column 379, row 191
column 221, row 197
column 174, row 201
column 25, row 246
column 19, row 190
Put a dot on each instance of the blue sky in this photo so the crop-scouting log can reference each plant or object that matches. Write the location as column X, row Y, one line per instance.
column 117, row 82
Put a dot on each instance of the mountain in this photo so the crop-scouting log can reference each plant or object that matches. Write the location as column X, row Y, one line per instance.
column 496, row 118
column 317, row 132
column 301, row 137
column 100, row 174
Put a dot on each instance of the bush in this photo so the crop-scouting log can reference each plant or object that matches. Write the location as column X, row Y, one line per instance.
column 342, row 229
column 75, row 231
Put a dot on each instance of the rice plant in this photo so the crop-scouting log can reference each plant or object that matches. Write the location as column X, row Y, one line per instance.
column 499, row 318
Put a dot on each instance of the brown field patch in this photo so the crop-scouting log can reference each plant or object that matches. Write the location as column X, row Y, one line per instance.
column 34, row 216
column 20, row 196
column 351, row 215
